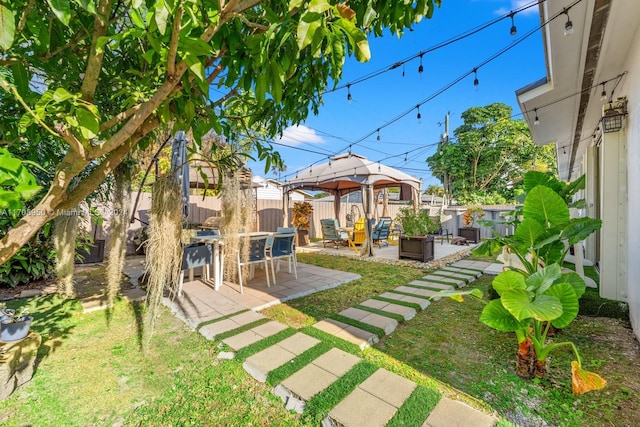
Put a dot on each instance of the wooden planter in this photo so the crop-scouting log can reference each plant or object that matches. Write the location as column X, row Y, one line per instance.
column 419, row 248
column 303, row 238
column 472, row 234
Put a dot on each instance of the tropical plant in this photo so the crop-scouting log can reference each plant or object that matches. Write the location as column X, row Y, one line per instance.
column 470, row 216
column 100, row 77
column 417, row 223
column 534, row 291
column 301, row 215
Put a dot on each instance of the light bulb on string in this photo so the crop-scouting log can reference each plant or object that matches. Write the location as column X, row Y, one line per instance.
column 564, row 151
column 603, row 94
column 536, row 120
column 354, row 172
column 329, row 161
column 420, row 67
column 405, row 157
column 349, row 156
column 310, row 170
column 378, row 166
column 419, row 116
column 403, row 70
column 378, row 137
column 349, row 97
column 476, row 82
column 513, row 30
column 568, row 26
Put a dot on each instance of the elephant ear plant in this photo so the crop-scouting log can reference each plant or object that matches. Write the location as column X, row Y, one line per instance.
column 534, row 292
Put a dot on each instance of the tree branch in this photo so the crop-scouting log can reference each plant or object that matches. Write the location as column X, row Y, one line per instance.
column 119, row 117
column 243, row 5
column 23, row 18
column 173, row 45
column 249, row 23
column 94, row 62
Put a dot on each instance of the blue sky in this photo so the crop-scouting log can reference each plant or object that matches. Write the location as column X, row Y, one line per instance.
column 377, row 101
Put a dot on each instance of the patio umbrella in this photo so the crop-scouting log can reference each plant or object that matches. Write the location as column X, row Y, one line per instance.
column 180, row 168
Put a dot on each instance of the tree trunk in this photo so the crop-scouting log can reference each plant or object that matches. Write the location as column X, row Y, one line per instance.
column 541, row 368
column 526, row 360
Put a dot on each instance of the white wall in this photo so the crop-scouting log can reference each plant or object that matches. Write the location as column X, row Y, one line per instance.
column 631, row 88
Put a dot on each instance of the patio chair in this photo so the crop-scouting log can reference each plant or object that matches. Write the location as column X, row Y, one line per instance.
column 381, row 231
column 282, row 246
column 443, row 233
column 293, row 230
column 331, row 233
column 358, row 230
column 193, row 256
column 257, row 255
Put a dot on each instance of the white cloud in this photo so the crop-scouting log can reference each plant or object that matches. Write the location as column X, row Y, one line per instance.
column 296, row 135
column 517, row 4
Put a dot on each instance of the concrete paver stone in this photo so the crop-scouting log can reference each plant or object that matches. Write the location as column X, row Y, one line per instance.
column 419, row 292
column 389, row 387
column 298, row 343
column 336, row 361
column 423, row 303
column 357, row 336
column 451, row 413
column 457, row 282
column 243, row 339
column 246, row 317
column 309, row 381
column 387, row 324
column 432, row 285
column 269, row 328
column 452, row 275
column 361, row 409
column 260, row 364
column 374, row 303
column 464, row 271
column 354, row 313
column 330, row 326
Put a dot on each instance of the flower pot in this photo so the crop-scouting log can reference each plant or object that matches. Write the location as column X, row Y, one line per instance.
column 419, row 248
column 472, row 234
column 16, row 330
column 303, row 238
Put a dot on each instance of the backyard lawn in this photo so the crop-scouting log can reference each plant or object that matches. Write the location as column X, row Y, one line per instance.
column 92, row 371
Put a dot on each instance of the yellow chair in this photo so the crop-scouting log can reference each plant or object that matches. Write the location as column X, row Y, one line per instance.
column 358, row 230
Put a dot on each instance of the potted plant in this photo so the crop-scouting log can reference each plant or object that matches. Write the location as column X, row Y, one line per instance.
column 301, row 219
column 416, row 239
column 14, row 326
column 469, row 217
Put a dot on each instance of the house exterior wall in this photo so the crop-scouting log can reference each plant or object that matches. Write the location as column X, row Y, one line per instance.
column 632, row 90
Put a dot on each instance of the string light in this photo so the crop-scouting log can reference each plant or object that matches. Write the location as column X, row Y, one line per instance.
column 349, row 97
column 420, row 67
column 402, row 69
column 329, row 161
column 603, row 95
column 405, row 157
column 378, row 137
column 349, row 156
column 310, row 170
column 354, row 172
column 419, row 116
column 536, row 121
column 476, row 82
column 568, row 26
column 564, row 151
column 378, row 166
column 513, row 30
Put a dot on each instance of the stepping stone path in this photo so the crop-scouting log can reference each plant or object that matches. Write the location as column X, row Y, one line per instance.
column 375, row 400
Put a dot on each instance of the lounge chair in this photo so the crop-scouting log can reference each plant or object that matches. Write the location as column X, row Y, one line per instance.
column 381, row 231
column 331, row 234
column 358, row 230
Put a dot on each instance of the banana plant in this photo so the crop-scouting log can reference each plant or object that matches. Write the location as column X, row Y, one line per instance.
column 528, row 306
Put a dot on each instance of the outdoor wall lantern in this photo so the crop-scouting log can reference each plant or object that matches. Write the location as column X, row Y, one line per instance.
column 612, row 115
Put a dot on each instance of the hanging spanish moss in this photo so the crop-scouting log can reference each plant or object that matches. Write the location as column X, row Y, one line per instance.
column 164, row 249
column 120, row 197
column 237, row 211
column 65, row 231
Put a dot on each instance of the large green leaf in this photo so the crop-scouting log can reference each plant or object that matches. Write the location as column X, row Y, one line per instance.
column 62, row 10
column 576, row 282
column 534, row 178
column 579, row 229
column 545, row 206
column 541, row 280
column 356, row 38
column 307, row 27
column 7, row 27
column 497, row 317
column 89, row 124
column 528, row 232
column 522, row 306
column 507, row 281
column 161, row 16
column 566, row 295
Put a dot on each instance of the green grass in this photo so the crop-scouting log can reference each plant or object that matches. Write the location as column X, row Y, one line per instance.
column 415, row 410
column 257, row 347
column 332, row 340
column 92, row 371
column 318, row 407
column 219, row 319
column 278, row 375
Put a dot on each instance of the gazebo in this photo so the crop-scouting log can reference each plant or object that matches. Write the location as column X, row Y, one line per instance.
column 347, row 173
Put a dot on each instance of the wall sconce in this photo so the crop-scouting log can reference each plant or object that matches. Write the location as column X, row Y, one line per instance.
column 612, row 114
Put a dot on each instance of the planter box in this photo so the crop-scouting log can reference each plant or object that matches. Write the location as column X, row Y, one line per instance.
column 95, row 253
column 472, row 234
column 419, row 248
column 303, row 238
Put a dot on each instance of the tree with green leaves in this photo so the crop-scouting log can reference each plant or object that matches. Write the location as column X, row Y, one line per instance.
column 491, row 153
column 100, row 77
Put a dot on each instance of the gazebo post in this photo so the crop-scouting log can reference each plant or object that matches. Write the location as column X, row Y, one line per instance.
column 285, row 208
column 336, row 206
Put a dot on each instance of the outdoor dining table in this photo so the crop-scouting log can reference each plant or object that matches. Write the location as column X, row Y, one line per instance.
column 217, row 244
